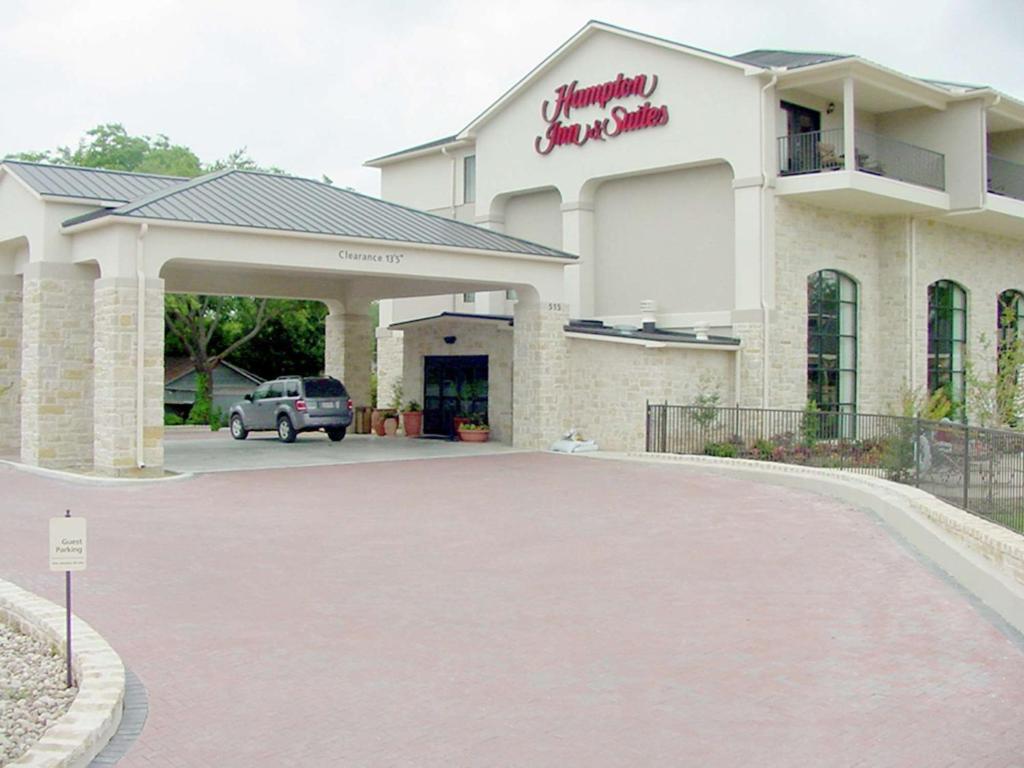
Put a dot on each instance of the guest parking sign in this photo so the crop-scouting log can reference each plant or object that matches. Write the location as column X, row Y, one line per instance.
column 67, row 543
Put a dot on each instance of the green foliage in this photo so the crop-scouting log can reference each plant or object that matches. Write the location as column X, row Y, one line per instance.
column 201, row 408
column 172, row 419
column 413, row 407
column 291, row 341
column 995, row 397
column 765, row 449
column 930, row 407
column 218, row 420
column 396, row 396
column 707, row 401
column 810, row 427
column 722, row 450
column 373, row 389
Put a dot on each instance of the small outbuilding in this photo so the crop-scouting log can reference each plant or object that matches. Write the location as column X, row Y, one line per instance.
column 230, row 384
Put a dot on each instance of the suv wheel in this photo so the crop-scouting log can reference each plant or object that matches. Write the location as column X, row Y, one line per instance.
column 285, row 430
column 238, row 430
column 335, row 433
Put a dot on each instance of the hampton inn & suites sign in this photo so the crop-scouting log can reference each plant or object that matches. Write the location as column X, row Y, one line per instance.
column 620, row 119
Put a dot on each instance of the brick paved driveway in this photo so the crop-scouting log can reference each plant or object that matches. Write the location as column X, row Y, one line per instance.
column 524, row 610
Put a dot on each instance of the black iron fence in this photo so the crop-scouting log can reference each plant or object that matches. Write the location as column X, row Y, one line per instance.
column 977, row 469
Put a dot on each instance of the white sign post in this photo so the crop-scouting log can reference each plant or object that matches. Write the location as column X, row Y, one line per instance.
column 67, row 553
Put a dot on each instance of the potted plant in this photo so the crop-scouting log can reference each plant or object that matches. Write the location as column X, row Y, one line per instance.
column 469, row 394
column 412, row 419
column 389, row 423
column 476, row 431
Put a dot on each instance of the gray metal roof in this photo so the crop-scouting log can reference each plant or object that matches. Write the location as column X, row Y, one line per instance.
column 288, row 203
column 427, row 145
column 454, row 316
column 598, row 328
column 787, row 59
column 90, row 184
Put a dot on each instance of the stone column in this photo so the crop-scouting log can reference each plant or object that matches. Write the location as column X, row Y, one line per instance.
column 540, row 395
column 348, row 352
column 115, row 406
column 57, row 365
column 10, row 364
column 390, row 364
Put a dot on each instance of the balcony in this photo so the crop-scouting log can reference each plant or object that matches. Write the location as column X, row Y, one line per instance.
column 1005, row 178
column 822, row 151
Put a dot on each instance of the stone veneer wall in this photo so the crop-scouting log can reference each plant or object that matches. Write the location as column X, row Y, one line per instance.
column 348, row 353
column 473, row 337
column 10, row 364
column 541, row 376
column 984, row 264
column 57, row 366
column 610, row 384
column 391, row 365
column 874, row 251
column 116, row 312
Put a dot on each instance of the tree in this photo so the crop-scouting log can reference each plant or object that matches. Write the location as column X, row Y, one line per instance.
column 196, row 320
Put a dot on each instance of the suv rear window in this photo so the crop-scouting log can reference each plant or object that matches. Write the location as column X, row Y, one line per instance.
column 324, row 388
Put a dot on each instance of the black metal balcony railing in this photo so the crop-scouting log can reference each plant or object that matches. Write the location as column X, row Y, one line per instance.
column 818, row 151
column 1005, row 177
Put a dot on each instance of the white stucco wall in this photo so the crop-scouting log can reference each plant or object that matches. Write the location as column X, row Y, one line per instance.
column 678, row 226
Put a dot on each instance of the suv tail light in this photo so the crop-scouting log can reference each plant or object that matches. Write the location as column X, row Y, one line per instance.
column 349, row 404
column 300, row 405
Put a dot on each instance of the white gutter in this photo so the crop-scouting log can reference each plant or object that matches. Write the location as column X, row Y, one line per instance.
column 763, row 245
column 446, row 153
column 911, row 294
column 140, row 347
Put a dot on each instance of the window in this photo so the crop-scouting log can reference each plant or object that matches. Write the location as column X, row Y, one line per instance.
column 292, row 389
column 469, row 179
column 468, row 298
column 947, row 338
column 276, row 389
column 832, row 341
column 511, row 295
column 261, row 392
column 324, row 388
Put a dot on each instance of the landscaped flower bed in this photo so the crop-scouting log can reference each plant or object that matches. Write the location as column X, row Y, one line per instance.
column 32, row 692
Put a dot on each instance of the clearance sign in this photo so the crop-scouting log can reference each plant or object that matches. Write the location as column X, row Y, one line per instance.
column 563, row 131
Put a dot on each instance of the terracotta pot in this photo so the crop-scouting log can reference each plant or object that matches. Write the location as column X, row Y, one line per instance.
column 390, row 426
column 377, row 422
column 458, row 421
column 474, row 435
column 413, row 423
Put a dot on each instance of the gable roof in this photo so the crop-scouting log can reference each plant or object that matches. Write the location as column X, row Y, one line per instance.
column 88, row 184
column 179, row 367
column 589, row 29
column 266, row 201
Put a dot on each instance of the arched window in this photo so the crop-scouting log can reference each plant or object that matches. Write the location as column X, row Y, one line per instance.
column 832, row 341
column 947, row 338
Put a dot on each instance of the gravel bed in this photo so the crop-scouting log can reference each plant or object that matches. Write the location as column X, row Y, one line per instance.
column 32, row 692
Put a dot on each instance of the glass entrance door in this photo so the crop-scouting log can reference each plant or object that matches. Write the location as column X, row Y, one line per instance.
column 454, row 385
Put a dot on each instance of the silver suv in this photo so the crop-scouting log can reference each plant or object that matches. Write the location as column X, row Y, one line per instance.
column 293, row 404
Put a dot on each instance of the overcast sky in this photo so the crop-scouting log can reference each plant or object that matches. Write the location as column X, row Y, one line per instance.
column 318, row 87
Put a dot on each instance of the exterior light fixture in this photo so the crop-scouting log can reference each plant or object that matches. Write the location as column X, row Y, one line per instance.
column 449, row 339
column 830, row 108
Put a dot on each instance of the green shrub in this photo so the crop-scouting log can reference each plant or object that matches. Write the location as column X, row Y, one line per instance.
column 217, row 419
column 172, row 419
column 722, row 450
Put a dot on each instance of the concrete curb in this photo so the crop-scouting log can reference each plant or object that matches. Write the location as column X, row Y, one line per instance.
column 985, row 558
column 77, row 737
column 73, row 477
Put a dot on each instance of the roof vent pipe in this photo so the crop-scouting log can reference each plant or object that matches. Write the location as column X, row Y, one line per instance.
column 648, row 314
column 700, row 329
